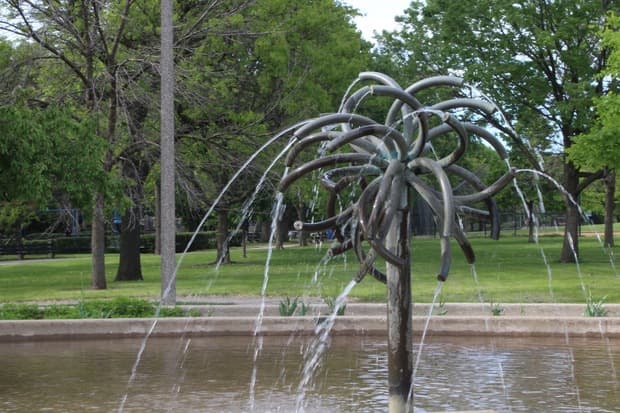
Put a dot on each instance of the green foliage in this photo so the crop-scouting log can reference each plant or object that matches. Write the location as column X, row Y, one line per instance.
column 21, row 312
column 331, row 304
column 542, row 62
column 119, row 307
column 496, row 309
column 512, row 50
column 45, row 156
column 441, row 307
column 289, row 307
column 178, row 312
column 595, row 307
column 264, row 67
column 600, row 146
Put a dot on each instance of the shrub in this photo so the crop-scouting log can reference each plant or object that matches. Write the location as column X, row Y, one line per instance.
column 289, row 308
column 71, row 245
column 331, row 304
column 121, row 307
column 496, row 309
column 595, row 308
column 21, row 312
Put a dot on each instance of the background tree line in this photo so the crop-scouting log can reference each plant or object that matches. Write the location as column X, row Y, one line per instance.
column 79, row 116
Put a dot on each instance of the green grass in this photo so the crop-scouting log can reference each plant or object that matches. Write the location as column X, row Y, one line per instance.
column 509, row 271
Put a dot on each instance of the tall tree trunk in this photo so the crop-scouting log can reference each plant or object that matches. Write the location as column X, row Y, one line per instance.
column 610, row 206
column 129, row 268
column 265, row 231
column 223, row 250
column 97, row 244
column 283, row 225
column 302, row 235
column 245, row 226
column 570, row 248
column 530, row 222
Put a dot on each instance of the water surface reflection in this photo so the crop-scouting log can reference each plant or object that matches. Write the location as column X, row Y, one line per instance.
column 213, row 374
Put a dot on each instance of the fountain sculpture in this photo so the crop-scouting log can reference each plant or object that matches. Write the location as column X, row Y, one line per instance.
column 371, row 171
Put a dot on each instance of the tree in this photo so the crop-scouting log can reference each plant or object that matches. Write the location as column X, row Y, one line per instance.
column 599, row 148
column 45, row 158
column 84, row 39
column 539, row 60
column 262, row 67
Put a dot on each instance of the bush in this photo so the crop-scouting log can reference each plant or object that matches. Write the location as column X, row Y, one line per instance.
column 71, row 245
column 38, row 246
column 595, row 308
column 21, row 312
column 121, row 307
column 288, row 308
column 61, row 244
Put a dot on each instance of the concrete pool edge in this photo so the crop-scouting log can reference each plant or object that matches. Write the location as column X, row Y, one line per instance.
column 370, row 325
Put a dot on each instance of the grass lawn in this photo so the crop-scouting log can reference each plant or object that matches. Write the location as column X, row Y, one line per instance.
column 510, row 270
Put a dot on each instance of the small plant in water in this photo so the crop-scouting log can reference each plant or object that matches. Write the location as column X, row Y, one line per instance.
column 288, row 307
column 496, row 309
column 595, row 308
column 331, row 304
column 441, row 307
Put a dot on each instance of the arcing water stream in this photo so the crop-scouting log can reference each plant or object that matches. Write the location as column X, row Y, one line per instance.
column 367, row 207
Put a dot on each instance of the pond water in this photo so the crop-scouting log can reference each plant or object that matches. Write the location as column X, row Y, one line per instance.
column 207, row 374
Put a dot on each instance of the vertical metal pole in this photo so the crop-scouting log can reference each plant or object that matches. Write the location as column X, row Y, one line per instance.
column 167, row 212
column 400, row 360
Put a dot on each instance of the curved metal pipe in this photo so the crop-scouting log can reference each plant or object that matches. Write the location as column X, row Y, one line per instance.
column 331, row 202
column 451, row 124
column 425, row 84
column 366, row 261
column 340, row 248
column 448, row 212
column 396, row 93
column 385, row 186
column 330, row 160
column 378, row 77
column 486, row 107
column 377, row 238
column 461, row 148
column 405, row 110
column 487, row 136
column 386, row 254
column 375, row 130
column 433, row 82
column 473, row 180
column 355, row 99
column 305, row 142
column 332, row 119
column 446, row 189
column 328, row 223
column 364, row 200
column 463, row 242
column 350, row 172
column 420, row 142
column 491, row 190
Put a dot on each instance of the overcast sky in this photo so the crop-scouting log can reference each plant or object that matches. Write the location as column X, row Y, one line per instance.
column 379, row 14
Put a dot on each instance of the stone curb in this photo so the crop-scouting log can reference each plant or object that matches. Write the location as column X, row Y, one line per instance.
column 373, row 325
column 422, row 309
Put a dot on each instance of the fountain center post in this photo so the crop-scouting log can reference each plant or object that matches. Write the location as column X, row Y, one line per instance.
column 390, row 163
column 400, row 359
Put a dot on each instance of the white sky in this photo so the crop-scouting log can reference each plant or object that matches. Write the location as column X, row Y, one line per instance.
column 378, row 14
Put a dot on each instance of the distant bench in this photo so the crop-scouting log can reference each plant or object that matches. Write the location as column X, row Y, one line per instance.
column 21, row 250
